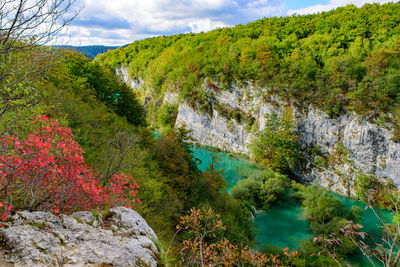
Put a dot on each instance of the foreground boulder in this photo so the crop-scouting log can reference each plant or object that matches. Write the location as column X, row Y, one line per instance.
column 121, row 238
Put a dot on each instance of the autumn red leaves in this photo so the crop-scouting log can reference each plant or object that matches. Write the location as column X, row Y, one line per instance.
column 46, row 171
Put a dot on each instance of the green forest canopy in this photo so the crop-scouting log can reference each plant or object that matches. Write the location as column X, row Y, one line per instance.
column 343, row 60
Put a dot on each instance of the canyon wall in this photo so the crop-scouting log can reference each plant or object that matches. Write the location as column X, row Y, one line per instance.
column 369, row 146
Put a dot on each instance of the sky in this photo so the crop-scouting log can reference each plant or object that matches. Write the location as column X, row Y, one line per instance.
column 120, row 22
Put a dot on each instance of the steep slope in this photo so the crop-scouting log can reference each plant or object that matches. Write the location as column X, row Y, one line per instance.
column 369, row 147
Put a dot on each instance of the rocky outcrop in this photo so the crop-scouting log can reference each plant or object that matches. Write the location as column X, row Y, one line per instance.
column 171, row 98
column 370, row 148
column 122, row 238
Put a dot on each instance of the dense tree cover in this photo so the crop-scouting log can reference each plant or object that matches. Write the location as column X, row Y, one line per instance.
column 350, row 56
column 116, row 142
column 342, row 60
column 114, row 94
column 116, row 139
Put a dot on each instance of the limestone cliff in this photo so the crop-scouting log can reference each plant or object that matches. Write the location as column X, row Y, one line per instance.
column 370, row 148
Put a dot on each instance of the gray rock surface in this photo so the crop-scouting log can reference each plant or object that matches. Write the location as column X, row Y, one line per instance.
column 214, row 131
column 170, row 98
column 123, row 238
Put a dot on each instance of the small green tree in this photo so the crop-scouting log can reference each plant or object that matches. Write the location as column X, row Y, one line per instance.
column 261, row 191
column 166, row 116
column 273, row 188
column 277, row 146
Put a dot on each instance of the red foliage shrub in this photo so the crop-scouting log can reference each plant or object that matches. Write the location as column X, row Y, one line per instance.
column 120, row 190
column 47, row 171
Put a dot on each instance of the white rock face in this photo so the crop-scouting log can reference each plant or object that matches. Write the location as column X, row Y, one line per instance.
column 370, row 146
column 41, row 239
column 122, row 72
column 214, row 131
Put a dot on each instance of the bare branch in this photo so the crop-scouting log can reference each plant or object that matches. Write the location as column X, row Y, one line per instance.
column 28, row 23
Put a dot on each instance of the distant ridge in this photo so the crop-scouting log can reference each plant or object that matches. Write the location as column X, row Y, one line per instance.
column 90, row 51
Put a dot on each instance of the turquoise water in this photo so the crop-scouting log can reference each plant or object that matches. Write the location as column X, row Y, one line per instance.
column 283, row 224
column 370, row 222
column 234, row 168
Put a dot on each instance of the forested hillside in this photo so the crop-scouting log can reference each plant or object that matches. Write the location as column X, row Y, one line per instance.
column 89, row 50
column 343, row 60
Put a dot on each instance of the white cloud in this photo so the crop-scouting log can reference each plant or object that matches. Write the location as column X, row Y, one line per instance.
column 105, row 21
column 205, row 25
column 332, row 4
column 257, row 3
